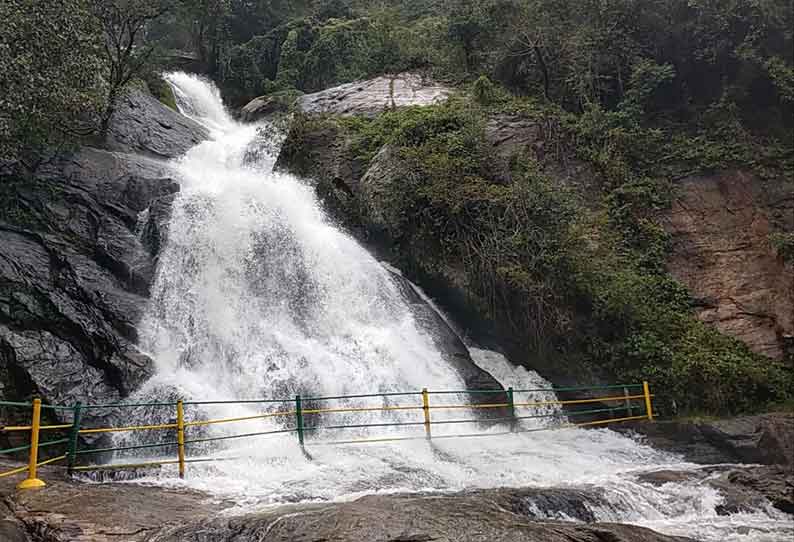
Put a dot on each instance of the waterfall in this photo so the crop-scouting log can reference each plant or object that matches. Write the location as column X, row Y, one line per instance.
column 259, row 295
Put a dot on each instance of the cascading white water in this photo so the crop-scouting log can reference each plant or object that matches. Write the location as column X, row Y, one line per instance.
column 259, row 295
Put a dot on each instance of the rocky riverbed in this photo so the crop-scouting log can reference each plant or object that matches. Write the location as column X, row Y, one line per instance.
column 81, row 512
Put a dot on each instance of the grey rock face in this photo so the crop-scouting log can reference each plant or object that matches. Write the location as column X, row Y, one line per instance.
column 69, row 511
column 141, row 124
column 374, row 96
column 79, row 238
column 262, row 107
column 476, row 517
column 766, row 439
column 743, row 488
column 452, row 348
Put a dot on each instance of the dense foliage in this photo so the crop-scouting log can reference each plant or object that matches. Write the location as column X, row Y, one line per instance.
column 51, row 74
column 575, row 277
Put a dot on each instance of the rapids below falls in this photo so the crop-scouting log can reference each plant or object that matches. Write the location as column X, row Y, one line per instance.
column 259, row 294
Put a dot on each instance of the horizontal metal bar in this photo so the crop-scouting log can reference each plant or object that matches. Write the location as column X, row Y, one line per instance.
column 16, row 404
column 580, row 401
column 367, row 441
column 461, row 392
column 129, row 405
column 241, row 419
column 243, row 402
column 483, row 420
column 11, row 428
column 53, row 442
column 122, row 448
column 53, row 460
column 582, row 388
column 452, row 407
column 13, row 471
column 469, row 435
column 360, row 426
column 613, row 420
column 127, row 465
column 130, row 428
column 211, row 459
column 365, row 395
column 17, row 449
column 57, row 407
column 212, row 439
column 360, row 409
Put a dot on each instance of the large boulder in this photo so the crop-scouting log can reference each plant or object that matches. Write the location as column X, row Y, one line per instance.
column 767, row 439
column 143, row 125
column 80, row 238
column 269, row 106
column 374, row 95
column 451, row 347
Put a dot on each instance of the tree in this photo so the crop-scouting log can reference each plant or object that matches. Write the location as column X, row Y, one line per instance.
column 124, row 24
column 51, row 74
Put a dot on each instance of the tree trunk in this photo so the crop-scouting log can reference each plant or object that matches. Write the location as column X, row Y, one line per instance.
column 544, row 70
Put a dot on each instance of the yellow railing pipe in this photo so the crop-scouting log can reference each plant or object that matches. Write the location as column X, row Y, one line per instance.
column 647, row 392
column 32, row 482
column 180, row 436
column 426, row 409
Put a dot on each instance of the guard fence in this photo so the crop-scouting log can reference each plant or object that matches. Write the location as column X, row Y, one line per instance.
column 619, row 403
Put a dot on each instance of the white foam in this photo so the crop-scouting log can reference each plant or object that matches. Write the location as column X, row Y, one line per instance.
column 259, row 295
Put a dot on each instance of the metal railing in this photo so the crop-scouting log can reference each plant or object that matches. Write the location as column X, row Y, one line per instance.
column 507, row 409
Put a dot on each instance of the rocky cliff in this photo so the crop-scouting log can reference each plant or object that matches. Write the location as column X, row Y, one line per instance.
column 720, row 227
column 80, row 235
column 717, row 227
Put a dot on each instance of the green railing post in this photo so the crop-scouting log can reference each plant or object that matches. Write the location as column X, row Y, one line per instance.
column 299, row 418
column 74, row 432
column 511, row 407
column 629, row 409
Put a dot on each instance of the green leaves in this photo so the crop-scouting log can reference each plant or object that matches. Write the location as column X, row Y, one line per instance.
column 51, row 74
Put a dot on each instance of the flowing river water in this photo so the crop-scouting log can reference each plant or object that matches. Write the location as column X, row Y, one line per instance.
column 259, row 294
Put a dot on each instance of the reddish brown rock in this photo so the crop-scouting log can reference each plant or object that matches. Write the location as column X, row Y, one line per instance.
column 720, row 227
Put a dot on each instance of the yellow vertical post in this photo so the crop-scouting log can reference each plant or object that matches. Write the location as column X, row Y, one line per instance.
column 180, row 436
column 32, row 482
column 648, row 407
column 426, row 409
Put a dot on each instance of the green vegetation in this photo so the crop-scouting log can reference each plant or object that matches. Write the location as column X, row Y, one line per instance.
column 50, row 74
column 579, row 282
column 784, row 244
column 62, row 66
column 641, row 92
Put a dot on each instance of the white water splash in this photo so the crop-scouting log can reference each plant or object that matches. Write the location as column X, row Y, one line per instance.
column 259, row 295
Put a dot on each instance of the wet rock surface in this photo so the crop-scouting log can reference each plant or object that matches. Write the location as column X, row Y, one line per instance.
column 80, row 237
column 74, row 512
column 767, row 439
column 263, row 107
column 455, row 353
column 744, row 488
column 143, row 125
column 463, row 518
column 66, row 511
column 374, row 95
